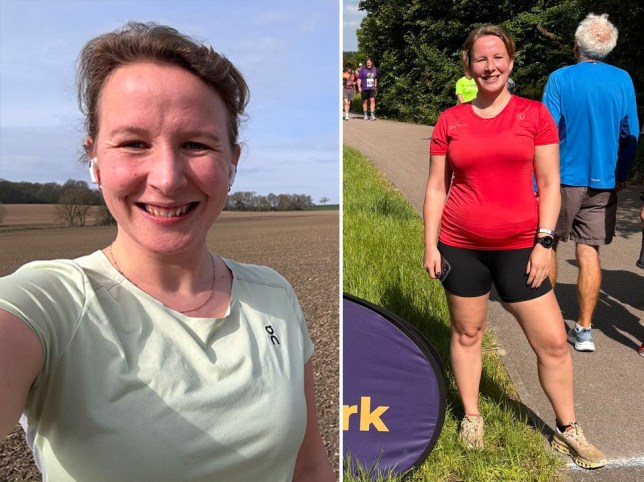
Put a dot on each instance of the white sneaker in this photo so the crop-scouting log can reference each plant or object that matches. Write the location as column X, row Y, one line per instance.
column 582, row 338
column 373, row 116
column 346, row 117
column 366, row 117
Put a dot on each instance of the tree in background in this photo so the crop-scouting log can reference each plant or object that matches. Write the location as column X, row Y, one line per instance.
column 104, row 217
column 74, row 204
column 416, row 45
column 352, row 58
column 324, row 200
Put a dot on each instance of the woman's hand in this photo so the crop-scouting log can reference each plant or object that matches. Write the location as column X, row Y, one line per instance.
column 432, row 262
column 538, row 265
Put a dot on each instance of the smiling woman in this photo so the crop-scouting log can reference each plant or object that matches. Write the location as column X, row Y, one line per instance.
column 493, row 229
column 164, row 161
column 153, row 358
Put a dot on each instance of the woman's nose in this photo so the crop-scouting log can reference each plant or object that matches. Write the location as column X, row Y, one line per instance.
column 167, row 172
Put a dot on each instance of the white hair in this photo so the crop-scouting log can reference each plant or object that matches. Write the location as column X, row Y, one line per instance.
column 596, row 37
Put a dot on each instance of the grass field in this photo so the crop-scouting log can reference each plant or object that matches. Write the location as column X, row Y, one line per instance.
column 382, row 263
column 303, row 246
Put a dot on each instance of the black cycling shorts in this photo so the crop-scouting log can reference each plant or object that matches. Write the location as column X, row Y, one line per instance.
column 473, row 272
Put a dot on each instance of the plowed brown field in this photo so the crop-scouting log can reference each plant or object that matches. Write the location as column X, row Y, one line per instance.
column 302, row 246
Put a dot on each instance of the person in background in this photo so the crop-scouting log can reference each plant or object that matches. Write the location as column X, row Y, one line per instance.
column 491, row 234
column 349, row 82
column 466, row 89
column 594, row 106
column 367, row 86
column 153, row 358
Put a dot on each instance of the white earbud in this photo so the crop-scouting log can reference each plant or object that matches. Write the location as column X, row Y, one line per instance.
column 231, row 179
column 93, row 174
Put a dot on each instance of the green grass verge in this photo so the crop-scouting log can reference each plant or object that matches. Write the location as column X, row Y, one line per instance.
column 382, row 258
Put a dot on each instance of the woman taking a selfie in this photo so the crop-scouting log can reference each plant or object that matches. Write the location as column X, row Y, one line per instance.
column 155, row 359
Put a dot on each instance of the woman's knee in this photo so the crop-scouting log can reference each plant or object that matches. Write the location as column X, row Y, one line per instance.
column 468, row 334
column 554, row 349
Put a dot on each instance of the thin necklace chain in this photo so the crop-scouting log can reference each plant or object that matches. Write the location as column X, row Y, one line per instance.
column 212, row 288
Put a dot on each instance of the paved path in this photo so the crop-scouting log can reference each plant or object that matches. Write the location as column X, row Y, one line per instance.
column 609, row 383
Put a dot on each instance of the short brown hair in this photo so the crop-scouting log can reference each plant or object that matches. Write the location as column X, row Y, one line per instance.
column 137, row 42
column 482, row 31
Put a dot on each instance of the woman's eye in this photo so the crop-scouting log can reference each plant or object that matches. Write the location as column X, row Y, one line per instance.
column 195, row 146
column 133, row 145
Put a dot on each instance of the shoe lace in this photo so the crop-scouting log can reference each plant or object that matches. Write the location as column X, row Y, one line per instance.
column 578, row 435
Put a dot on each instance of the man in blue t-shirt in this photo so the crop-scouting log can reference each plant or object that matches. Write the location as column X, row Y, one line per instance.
column 594, row 106
column 367, row 85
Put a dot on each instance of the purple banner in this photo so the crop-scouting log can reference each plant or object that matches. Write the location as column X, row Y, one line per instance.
column 393, row 390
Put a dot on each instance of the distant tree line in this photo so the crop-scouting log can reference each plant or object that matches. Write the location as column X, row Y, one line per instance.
column 48, row 193
column 74, row 200
column 251, row 201
column 78, row 192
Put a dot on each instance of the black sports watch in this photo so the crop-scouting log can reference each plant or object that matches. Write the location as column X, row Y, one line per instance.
column 546, row 241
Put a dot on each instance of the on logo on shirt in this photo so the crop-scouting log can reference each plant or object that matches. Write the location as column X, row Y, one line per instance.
column 271, row 333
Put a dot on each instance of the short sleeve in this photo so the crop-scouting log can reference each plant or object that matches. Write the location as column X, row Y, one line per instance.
column 547, row 132
column 551, row 97
column 439, row 142
column 49, row 297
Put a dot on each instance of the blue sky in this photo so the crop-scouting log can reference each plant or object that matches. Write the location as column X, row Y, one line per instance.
column 288, row 50
column 351, row 18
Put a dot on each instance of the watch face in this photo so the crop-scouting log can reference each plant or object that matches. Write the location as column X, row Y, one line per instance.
column 546, row 241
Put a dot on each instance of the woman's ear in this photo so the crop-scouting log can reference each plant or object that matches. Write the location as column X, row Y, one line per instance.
column 94, row 172
column 89, row 147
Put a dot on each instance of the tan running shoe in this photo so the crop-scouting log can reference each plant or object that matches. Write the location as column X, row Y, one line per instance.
column 573, row 442
column 471, row 434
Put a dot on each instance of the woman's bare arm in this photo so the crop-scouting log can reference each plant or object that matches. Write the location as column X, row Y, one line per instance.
column 21, row 359
column 312, row 464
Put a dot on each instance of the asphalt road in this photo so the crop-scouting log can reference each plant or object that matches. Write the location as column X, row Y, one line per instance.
column 609, row 383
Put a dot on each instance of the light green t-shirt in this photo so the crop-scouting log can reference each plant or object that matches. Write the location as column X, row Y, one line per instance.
column 132, row 390
column 467, row 88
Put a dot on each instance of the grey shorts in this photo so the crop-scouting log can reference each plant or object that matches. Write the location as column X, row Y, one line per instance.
column 348, row 94
column 587, row 215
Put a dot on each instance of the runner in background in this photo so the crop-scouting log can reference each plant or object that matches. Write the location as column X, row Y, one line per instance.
column 367, row 86
column 466, row 89
column 349, row 81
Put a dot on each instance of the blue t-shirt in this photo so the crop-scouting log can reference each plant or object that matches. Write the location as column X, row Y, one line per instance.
column 594, row 106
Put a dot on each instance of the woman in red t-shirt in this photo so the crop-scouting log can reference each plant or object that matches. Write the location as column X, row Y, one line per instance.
column 493, row 230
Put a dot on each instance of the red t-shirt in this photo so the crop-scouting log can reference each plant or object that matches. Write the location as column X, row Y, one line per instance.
column 491, row 203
